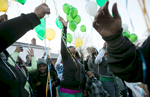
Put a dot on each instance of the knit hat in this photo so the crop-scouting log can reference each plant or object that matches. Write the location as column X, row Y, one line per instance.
column 41, row 61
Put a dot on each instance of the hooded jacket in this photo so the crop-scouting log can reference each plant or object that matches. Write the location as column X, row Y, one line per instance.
column 23, row 66
column 73, row 74
column 12, row 80
column 40, row 81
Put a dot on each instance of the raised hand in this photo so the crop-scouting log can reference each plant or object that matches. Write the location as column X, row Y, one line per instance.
column 41, row 10
column 31, row 52
column 18, row 49
column 63, row 21
column 106, row 24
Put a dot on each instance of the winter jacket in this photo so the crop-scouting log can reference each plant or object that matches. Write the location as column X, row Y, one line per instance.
column 40, row 83
column 30, row 69
column 12, row 80
column 124, row 59
column 100, row 67
column 73, row 74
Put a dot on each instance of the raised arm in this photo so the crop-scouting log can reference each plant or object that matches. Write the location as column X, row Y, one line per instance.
column 123, row 58
column 64, row 52
column 101, row 54
column 12, row 30
column 15, row 55
column 33, row 67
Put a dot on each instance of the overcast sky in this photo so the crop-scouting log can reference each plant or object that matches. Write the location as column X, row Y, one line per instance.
column 15, row 9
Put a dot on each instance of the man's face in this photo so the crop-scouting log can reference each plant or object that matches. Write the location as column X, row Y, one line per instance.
column 42, row 68
column 93, row 51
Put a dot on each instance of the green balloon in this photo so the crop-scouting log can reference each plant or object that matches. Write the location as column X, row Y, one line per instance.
column 72, row 25
column 41, row 32
column 40, row 29
column 69, row 18
column 83, row 28
column 73, row 12
column 42, row 22
column 133, row 37
column 126, row 34
column 101, row 2
column 58, row 23
column 77, row 19
column 71, row 6
column 69, row 37
column 66, row 8
column 40, row 37
column 21, row 1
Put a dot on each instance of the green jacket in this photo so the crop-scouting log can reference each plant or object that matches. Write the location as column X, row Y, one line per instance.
column 30, row 69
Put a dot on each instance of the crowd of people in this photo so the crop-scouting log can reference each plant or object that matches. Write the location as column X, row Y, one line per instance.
column 101, row 75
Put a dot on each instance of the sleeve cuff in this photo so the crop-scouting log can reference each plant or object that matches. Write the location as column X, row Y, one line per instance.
column 32, row 17
column 33, row 58
column 115, row 40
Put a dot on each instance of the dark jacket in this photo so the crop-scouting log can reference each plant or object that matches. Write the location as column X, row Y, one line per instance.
column 73, row 74
column 12, row 80
column 40, row 83
column 125, row 60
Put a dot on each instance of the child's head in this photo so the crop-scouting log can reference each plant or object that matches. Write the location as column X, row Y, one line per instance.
column 42, row 66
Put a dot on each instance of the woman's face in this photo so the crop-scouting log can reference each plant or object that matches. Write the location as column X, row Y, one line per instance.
column 42, row 68
column 73, row 50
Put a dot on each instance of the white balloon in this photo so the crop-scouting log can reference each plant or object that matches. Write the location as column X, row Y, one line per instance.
column 91, row 8
column 125, row 27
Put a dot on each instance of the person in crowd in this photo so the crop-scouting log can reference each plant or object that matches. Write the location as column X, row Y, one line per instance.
column 124, row 60
column 25, row 68
column 72, row 82
column 106, row 76
column 40, row 80
column 86, row 63
column 59, row 68
column 12, row 79
column 91, row 63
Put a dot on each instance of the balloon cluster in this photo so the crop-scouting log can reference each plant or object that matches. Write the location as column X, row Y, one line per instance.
column 41, row 33
column 133, row 37
column 73, row 17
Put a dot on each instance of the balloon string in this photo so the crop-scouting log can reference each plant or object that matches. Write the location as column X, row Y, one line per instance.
column 129, row 15
column 57, row 14
column 144, row 14
column 56, row 8
column 47, row 84
column 70, row 53
column 48, row 64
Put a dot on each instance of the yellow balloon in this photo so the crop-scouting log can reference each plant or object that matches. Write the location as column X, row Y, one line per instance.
column 50, row 34
column 3, row 5
column 78, row 42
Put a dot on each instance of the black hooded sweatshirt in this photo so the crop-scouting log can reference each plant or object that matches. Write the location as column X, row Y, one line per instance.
column 73, row 76
column 124, row 59
column 12, row 80
column 40, row 83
